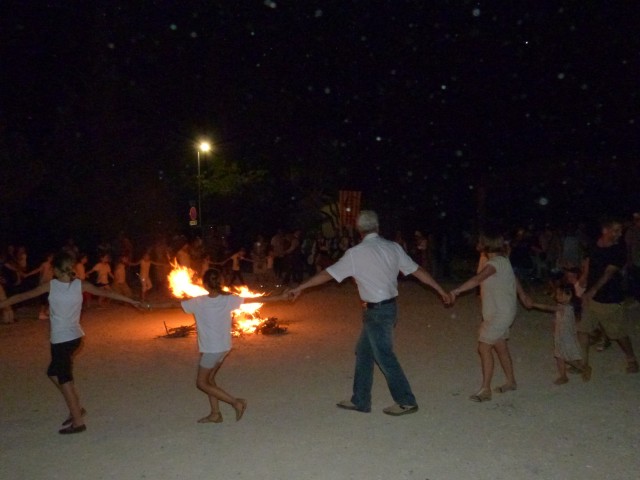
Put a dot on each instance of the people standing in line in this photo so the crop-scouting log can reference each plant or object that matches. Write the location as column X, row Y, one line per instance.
column 604, row 297
column 65, row 299
column 499, row 291
column 632, row 241
column 565, row 337
column 375, row 264
column 213, row 314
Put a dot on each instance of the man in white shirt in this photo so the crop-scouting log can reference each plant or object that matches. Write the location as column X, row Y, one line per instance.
column 375, row 264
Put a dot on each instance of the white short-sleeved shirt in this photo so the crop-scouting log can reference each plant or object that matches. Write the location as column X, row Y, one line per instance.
column 65, row 306
column 499, row 296
column 213, row 319
column 374, row 264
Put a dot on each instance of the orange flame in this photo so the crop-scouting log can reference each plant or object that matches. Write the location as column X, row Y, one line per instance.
column 183, row 283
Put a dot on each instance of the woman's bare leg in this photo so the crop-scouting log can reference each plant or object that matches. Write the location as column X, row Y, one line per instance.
column 504, row 356
column 486, row 363
column 72, row 399
column 562, row 372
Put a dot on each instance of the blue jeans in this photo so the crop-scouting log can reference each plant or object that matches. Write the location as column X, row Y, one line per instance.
column 376, row 345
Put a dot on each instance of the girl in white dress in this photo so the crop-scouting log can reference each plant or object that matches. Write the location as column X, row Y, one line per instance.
column 565, row 338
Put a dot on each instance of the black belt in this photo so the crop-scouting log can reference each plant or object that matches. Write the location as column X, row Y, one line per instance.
column 369, row 305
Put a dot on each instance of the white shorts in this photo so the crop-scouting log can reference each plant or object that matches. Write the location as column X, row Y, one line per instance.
column 210, row 360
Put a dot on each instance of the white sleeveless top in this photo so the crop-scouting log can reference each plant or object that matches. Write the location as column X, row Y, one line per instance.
column 65, row 306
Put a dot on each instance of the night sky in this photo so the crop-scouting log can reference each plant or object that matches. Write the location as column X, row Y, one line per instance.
column 424, row 106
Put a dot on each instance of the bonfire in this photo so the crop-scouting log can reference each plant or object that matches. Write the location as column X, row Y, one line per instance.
column 185, row 284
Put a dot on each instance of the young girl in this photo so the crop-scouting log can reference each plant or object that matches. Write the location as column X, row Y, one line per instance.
column 236, row 266
column 145, row 268
column 565, row 338
column 104, row 275
column 499, row 306
column 65, row 304
column 213, row 320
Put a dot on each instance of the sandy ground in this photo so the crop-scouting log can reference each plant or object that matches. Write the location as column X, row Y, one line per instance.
column 143, row 405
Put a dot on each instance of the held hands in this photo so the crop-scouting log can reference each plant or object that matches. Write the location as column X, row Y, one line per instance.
column 293, row 294
column 446, row 298
column 453, row 295
column 527, row 302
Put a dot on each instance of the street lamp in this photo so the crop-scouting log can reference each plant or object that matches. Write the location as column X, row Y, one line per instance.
column 204, row 147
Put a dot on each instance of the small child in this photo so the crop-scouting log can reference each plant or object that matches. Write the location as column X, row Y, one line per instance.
column 236, row 266
column 104, row 275
column 565, row 338
column 145, row 269
column 120, row 284
column 213, row 321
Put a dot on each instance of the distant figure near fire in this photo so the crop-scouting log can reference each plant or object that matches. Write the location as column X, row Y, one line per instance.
column 375, row 264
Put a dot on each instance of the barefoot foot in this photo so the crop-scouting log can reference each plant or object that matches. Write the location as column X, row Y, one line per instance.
column 212, row 418
column 507, row 387
column 240, row 407
column 561, row 381
column 482, row 396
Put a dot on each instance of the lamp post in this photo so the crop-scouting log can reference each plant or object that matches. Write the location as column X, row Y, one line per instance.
column 204, row 147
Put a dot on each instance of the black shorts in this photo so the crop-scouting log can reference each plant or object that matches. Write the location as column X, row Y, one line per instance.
column 61, row 365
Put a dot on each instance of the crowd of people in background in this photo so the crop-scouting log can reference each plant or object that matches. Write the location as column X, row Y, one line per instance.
column 286, row 257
